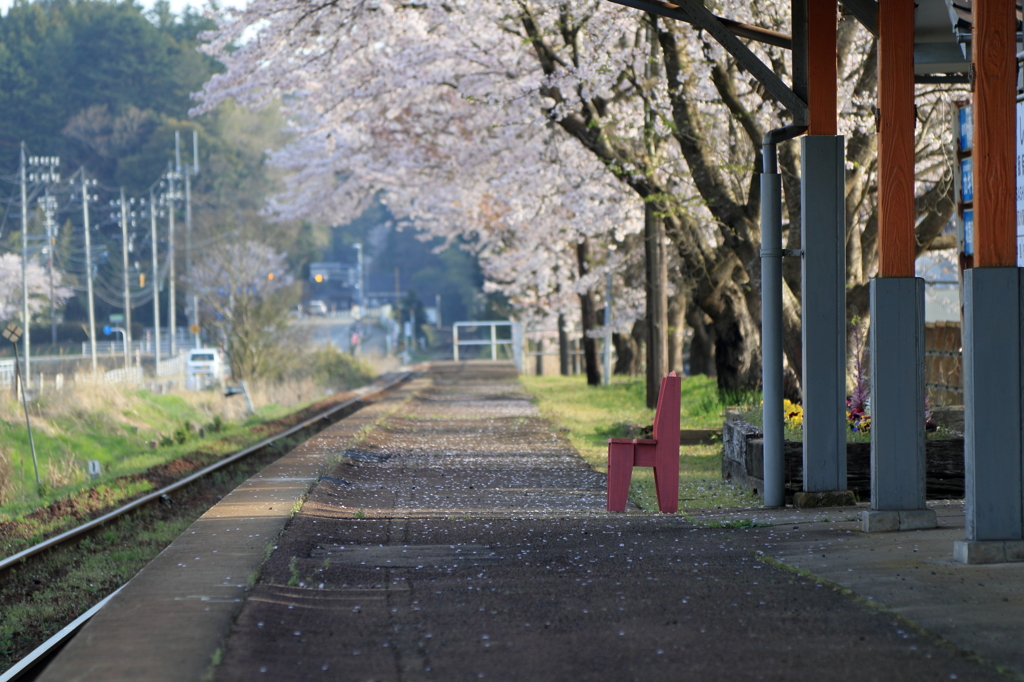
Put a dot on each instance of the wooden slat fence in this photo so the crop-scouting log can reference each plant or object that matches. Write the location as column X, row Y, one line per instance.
column 943, row 363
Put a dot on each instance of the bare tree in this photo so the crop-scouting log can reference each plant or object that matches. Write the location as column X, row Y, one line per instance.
column 247, row 291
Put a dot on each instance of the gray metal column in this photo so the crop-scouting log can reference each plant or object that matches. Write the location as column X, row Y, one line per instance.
column 992, row 417
column 774, row 492
column 897, row 407
column 824, row 321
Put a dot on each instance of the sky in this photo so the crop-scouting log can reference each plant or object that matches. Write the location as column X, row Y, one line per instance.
column 176, row 5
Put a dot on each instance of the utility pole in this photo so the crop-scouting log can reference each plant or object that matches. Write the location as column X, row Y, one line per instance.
column 127, row 336
column 156, row 278
column 359, row 278
column 172, row 306
column 25, row 320
column 89, row 273
column 48, row 206
column 193, row 318
column 398, row 305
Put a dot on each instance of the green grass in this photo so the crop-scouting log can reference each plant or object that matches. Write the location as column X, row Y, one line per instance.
column 88, row 572
column 589, row 416
column 38, row 598
column 116, row 430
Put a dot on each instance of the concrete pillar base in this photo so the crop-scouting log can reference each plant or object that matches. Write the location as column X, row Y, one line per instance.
column 876, row 521
column 897, row 395
column 823, row 312
column 988, row 551
column 824, row 498
column 992, row 350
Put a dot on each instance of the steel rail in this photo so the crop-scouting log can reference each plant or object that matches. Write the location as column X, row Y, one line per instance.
column 42, row 652
column 364, row 394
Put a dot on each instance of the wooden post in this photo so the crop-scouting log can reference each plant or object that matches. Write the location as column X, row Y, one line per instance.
column 821, row 66
column 995, row 80
column 896, row 216
column 656, row 285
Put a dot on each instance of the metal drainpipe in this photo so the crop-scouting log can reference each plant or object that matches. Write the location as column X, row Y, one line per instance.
column 774, row 493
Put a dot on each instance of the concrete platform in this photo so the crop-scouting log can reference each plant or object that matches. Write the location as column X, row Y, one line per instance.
column 914, row 574
column 168, row 622
column 459, row 537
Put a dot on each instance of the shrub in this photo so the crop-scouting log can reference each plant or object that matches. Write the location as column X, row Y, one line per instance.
column 63, row 470
column 333, row 368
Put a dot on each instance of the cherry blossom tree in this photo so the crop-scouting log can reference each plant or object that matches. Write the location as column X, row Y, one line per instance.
column 38, row 288
column 533, row 132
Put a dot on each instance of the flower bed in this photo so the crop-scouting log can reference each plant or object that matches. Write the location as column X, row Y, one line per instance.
column 743, row 463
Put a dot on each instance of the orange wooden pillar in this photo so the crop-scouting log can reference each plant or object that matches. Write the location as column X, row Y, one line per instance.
column 992, row 300
column 995, row 79
column 823, row 235
column 821, row 67
column 896, row 215
column 897, row 297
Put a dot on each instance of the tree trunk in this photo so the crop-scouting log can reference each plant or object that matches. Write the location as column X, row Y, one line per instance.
column 563, row 347
column 540, row 358
column 677, row 331
column 627, row 355
column 702, row 343
column 588, row 314
column 657, row 302
column 737, row 342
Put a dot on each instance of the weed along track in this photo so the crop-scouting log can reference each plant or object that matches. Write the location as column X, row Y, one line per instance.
column 49, row 584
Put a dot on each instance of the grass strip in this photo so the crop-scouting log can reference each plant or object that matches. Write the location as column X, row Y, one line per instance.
column 39, row 598
column 590, row 415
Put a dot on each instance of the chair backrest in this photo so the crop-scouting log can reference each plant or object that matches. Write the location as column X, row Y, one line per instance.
column 666, row 415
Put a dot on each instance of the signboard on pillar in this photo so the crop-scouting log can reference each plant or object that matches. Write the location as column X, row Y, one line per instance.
column 1020, row 184
column 963, row 181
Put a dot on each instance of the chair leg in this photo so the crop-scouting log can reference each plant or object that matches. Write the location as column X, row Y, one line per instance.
column 620, row 471
column 666, row 483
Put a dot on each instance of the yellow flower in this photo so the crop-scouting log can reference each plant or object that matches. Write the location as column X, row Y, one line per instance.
column 793, row 413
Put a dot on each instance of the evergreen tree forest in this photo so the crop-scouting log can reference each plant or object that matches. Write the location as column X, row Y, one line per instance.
column 105, row 86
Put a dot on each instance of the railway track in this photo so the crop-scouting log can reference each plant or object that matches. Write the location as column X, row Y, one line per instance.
column 29, row 666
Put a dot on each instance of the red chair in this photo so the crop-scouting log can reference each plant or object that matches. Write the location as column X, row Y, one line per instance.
column 660, row 452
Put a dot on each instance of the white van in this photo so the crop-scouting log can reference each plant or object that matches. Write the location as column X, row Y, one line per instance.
column 205, row 368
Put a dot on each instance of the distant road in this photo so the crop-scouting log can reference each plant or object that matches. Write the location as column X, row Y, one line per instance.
column 338, row 330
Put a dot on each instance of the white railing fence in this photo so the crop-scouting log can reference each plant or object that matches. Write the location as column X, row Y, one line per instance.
column 516, row 340
column 118, row 376
column 7, row 373
column 171, row 367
